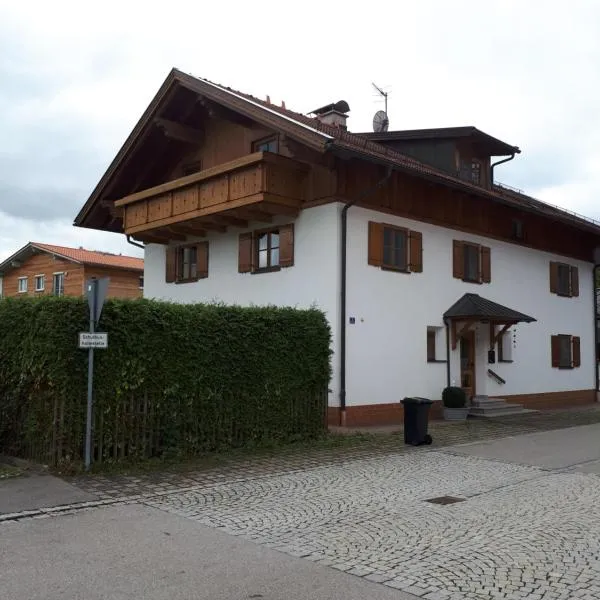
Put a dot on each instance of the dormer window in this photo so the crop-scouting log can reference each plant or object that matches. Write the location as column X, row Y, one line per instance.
column 475, row 171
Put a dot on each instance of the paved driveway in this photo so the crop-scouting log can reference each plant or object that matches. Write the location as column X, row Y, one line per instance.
column 526, row 523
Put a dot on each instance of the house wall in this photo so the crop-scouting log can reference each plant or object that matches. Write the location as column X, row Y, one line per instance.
column 44, row 264
column 386, row 358
column 122, row 283
column 312, row 280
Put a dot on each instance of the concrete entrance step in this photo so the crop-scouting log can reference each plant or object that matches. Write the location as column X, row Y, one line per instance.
column 483, row 406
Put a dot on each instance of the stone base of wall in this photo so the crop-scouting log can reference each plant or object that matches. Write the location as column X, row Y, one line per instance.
column 376, row 414
column 553, row 399
column 392, row 414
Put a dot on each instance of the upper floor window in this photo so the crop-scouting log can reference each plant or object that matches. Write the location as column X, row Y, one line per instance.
column 472, row 262
column 266, row 250
column 58, row 284
column 566, row 351
column 395, row 248
column 471, row 170
column 39, row 283
column 185, row 263
column 270, row 144
column 564, row 279
column 476, row 171
column 22, row 284
column 517, row 229
column 141, row 282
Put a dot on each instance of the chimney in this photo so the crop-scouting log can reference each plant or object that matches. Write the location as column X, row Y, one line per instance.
column 334, row 114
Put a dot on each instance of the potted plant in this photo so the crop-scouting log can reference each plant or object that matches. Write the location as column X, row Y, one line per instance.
column 454, row 400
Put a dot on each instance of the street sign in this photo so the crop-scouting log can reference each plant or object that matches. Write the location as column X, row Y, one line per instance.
column 93, row 340
column 96, row 290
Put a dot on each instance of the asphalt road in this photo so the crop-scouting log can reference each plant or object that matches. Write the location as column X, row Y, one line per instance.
column 137, row 552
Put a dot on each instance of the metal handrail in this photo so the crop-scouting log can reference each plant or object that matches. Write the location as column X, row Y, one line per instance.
column 495, row 376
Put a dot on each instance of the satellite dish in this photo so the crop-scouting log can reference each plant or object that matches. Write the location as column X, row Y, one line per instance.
column 380, row 122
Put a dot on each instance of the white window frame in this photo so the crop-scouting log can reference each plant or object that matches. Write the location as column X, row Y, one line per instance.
column 35, row 281
column 54, row 275
column 24, row 290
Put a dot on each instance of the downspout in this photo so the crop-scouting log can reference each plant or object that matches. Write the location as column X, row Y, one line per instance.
column 504, row 160
column 343, row 290
column 130, row 241
column 447, row 324
column 596, row 365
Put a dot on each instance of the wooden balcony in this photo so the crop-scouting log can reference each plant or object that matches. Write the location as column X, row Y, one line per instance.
column 255, row 187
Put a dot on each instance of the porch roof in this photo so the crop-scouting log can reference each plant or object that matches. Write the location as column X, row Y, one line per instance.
column 474, row 307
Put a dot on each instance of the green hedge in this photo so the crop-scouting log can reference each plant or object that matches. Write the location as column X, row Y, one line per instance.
column 176, row 379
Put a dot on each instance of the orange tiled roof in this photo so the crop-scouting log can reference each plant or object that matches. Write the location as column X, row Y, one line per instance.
column 94, row 257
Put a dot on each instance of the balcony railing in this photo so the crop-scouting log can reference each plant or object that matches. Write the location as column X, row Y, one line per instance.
column 264, row 182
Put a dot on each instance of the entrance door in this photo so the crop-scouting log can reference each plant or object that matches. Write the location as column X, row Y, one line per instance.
column 467, row 363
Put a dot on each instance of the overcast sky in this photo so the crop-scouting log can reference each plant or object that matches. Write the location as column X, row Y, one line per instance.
column 74, row 80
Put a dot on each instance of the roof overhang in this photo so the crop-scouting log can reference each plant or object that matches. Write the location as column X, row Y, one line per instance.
column 486, row 143
column 237, row 103
column 14, row 261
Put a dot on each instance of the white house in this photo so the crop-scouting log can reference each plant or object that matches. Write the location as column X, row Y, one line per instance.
column 430, row 273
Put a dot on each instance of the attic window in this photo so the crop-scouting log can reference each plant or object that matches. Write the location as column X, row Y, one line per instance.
column 269, row 144
column 517, row 229
column 476, row 171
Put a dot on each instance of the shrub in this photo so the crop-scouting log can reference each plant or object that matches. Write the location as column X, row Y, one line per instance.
column 176, row 379
column 454, row 397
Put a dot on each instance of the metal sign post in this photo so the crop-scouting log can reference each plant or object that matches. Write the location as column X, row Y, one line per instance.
column 96, row 294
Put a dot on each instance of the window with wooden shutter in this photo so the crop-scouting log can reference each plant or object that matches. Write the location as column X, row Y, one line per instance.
column 416, row 251
column 564, row 280
column 375, row 255
column 574, row 281
column 202, row 260
column 576, row 350
column 286, row 245
column 171, row 264
column 566, row 351
column 395, row 248
column 458, row 259
column 266, row 250
column 555, row 350
column 245, row 253
column 471, row 262
column 486, row 264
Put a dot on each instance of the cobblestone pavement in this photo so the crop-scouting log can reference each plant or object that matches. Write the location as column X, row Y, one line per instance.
column 521, row 532
column 290, row 460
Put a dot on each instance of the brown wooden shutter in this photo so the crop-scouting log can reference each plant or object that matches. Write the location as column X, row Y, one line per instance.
column 286, row 245
column 554, row 277
column 555, row 345
column 486, row 264
column 375, row 244
column 171, row 265
column 416, row 251
column 245, row 253
column 574, row 281
column 576, row 351
column 202, row 260
column 458, row 259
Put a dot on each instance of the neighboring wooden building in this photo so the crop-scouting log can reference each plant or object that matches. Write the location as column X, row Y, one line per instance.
column 430, row 273
column 38, row 269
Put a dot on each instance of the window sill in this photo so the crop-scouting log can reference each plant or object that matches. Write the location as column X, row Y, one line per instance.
column 38, row 291
column 477, row 281
column 178, row 281
column 436, row 361
column 266, row 270
column 505, row 361
column 405, row 270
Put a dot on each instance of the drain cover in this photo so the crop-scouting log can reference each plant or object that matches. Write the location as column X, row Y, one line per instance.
column 445, row 500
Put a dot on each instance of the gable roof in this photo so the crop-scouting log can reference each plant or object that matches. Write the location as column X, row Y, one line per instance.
column 310, row 132
column 473, row 306
column 76, row 255
column 495, row 146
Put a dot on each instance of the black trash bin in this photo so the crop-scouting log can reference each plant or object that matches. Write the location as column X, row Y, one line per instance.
column 416, row 420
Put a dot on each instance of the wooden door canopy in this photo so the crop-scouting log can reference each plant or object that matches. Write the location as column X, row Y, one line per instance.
column 472, row 308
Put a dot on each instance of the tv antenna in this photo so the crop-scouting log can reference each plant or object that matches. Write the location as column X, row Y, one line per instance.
column 381, row 121
column 384, row 94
